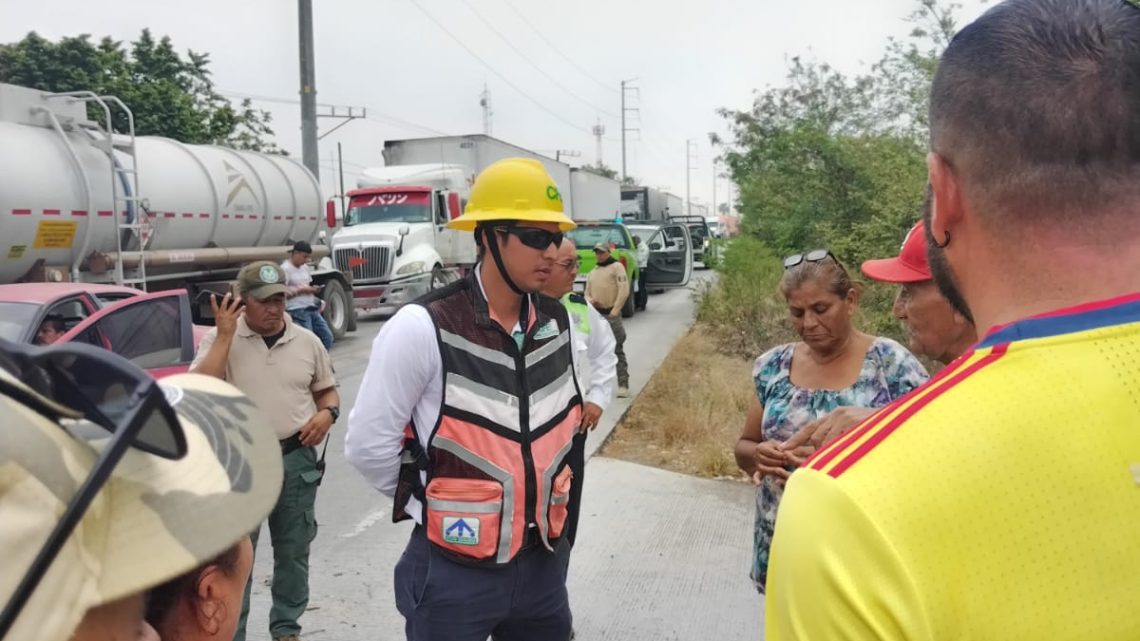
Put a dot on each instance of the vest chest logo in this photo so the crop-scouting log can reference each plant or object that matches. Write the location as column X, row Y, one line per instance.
column 549, row 330
column 461, row 531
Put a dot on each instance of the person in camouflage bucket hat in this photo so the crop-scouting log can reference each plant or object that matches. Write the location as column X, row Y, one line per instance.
column 154, row 518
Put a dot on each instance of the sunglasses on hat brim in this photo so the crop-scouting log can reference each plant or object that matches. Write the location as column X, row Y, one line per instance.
column 813, row 256
column 105, row 389
column 533, row 237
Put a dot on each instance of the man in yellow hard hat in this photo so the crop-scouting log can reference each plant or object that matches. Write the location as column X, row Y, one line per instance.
column 466, row 416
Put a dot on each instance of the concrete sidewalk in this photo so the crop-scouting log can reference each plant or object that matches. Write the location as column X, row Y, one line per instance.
column 663, row 556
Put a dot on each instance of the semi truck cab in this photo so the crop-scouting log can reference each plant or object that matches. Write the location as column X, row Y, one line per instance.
column 394, row 238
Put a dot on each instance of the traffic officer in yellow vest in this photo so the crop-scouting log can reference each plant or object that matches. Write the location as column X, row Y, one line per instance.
column 594, row 360
column 466, row 416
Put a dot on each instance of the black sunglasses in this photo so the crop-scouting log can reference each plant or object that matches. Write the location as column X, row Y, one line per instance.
column 533, row 237
column 105, row 389
column 813, row 256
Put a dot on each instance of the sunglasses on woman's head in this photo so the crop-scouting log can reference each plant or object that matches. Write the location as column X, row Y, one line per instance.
column 534, row 237
column 813, row 256
column 77, row 380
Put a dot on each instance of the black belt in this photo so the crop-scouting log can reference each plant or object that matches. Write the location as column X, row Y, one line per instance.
column 291, row 444
column 604, row 311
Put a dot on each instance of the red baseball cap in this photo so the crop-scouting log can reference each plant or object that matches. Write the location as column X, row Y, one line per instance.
column 909, row 266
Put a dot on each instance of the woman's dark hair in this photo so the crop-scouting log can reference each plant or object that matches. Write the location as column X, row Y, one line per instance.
column 829, row 272
column 163, row 600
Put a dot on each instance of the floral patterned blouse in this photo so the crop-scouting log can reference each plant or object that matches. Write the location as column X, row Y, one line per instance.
column 889, row 372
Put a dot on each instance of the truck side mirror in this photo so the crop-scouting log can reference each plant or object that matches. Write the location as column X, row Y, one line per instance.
column 655, row 247
column 330, row 213
column 403, row 231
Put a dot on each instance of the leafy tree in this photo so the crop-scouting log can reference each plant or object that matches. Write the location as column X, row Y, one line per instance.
column 837, row 161
column 168, row 95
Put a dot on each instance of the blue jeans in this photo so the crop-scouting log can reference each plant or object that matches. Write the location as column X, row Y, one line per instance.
column 310, row 318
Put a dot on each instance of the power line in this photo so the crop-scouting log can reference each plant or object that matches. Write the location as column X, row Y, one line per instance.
column 530, row 62
column 373, row 113
column 538, row 32
column 483, row 62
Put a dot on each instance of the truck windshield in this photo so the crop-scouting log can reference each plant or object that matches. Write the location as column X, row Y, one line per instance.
column 586, row 236
column 389, row 207
column 15, row 319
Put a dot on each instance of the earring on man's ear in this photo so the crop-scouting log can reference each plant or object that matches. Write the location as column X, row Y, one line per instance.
column 944, row 243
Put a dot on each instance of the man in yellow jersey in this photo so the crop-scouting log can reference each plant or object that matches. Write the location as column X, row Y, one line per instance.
column 1002, row 499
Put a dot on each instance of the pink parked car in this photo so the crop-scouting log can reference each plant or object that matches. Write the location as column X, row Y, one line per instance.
column 152, row 330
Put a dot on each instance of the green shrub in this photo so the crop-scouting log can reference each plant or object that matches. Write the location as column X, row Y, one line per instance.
column 746, row 315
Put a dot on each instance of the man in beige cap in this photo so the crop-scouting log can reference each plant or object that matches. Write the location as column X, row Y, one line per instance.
column 607, row 288
column 287, row 373
column 112, row 483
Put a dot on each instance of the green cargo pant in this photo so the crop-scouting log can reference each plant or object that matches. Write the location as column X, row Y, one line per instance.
column 619, row 348
column 292, row 527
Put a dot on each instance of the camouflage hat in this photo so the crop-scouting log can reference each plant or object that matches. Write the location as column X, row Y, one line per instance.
column 153, row 520
column 262, row 280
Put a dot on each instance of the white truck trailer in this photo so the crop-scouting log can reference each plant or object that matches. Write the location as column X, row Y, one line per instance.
column 594, row 197
column 81, row 203
column 394, row 238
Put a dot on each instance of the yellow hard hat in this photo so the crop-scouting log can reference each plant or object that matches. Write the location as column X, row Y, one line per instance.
column 514, row 189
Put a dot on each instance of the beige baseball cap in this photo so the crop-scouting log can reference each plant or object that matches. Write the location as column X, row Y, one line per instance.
column 155, row 518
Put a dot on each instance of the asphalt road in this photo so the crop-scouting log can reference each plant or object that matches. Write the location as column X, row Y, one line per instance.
column 357, row 544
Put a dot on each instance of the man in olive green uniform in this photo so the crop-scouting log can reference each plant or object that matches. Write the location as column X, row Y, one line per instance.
column 285, row 370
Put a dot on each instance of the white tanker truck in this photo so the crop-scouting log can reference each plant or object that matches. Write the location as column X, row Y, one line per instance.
column 79, row 203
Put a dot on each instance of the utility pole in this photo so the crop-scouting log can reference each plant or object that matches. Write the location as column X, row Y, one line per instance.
column 569, row 153
column 340, row 169
column 485, row 103
column 714, row 211
column 309, row 153
column 637, row 93
column 599, row 131
column 690, row 158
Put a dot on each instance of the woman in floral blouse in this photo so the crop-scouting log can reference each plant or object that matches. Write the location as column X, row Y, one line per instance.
column 833, row 365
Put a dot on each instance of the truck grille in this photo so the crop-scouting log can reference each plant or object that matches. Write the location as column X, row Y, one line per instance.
column 366, row 263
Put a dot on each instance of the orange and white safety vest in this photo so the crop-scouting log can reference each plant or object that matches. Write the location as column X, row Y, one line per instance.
column 496, row 463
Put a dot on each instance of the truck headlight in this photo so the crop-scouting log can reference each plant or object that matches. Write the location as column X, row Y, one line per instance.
column 411, row 268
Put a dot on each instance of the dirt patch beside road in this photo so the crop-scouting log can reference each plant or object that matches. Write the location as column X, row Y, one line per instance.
column 688, row 417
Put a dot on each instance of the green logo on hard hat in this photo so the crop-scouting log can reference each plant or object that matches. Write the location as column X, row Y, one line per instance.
column 552, row 193
column 268, row 274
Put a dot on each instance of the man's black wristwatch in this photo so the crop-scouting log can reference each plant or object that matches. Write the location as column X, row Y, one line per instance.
column 334, row 410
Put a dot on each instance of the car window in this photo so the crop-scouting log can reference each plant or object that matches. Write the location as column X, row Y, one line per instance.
column 110, row 298
column 71, row 311
column 586, row 236
column 148, row 333
column 15, row 319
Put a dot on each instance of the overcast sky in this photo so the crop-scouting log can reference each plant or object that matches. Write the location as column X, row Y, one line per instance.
column 689, row 58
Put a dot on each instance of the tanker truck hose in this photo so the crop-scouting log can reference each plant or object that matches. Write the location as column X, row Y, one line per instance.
column 497, row 255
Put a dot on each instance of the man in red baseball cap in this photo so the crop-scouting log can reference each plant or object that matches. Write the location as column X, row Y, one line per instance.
column 936, row 330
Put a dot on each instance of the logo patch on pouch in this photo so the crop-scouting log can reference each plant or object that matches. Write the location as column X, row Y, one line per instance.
column 549, row 330
column 460, row 530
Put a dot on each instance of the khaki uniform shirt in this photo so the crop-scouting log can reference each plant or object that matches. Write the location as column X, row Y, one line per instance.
column 607, row 287
column 280, row 381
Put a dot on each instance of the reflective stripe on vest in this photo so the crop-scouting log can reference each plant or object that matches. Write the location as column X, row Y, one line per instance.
column 509, row 415
column 579, row 313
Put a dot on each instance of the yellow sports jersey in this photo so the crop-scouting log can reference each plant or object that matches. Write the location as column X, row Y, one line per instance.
column 999, row 501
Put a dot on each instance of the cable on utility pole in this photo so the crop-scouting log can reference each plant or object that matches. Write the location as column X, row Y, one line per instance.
column 309, row 151
column 690, row 160
column 624, row 128
column 485, row 103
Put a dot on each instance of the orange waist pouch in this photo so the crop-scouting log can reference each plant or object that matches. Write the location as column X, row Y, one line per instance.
column 463, row 515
